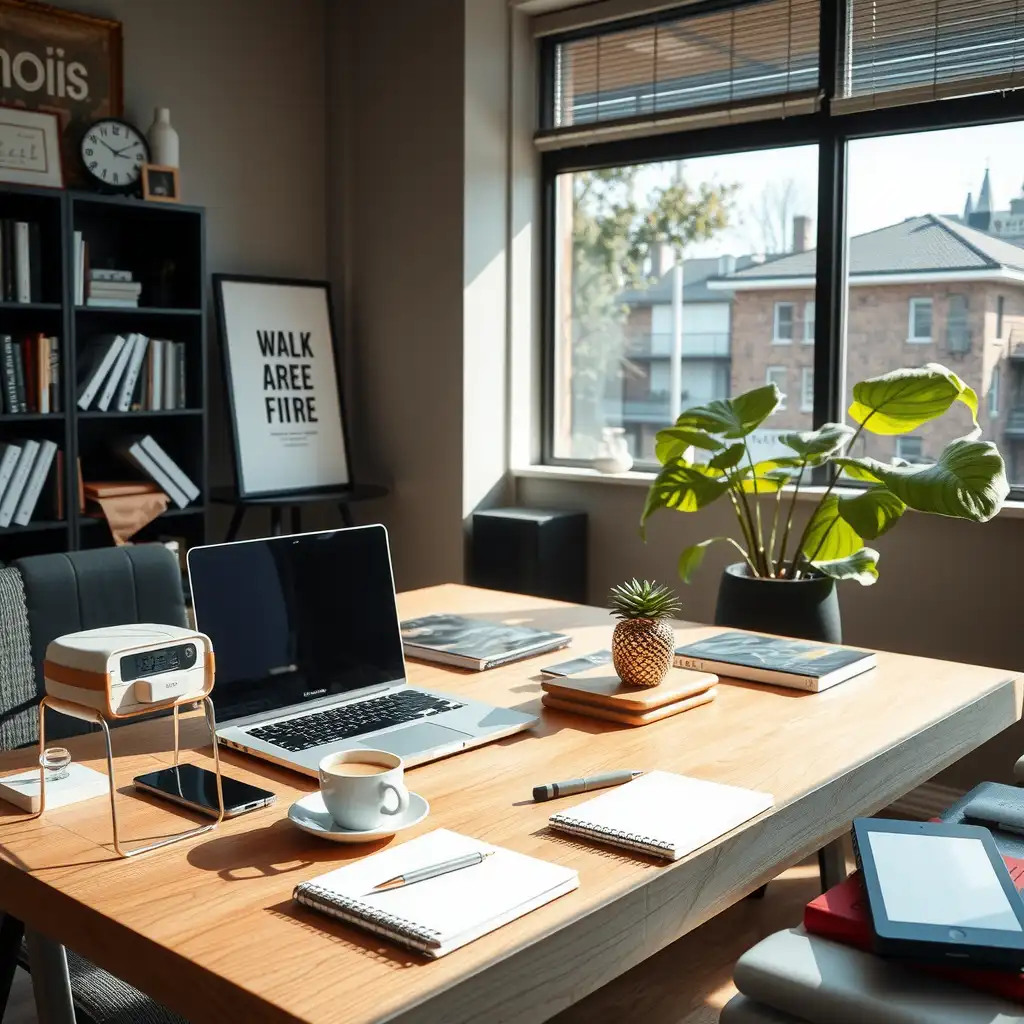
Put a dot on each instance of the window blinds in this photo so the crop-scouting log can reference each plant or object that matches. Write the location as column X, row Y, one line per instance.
column 685, row 69
column 909, row 51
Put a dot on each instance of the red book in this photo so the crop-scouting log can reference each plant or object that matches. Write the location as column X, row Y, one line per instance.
column 842, row 914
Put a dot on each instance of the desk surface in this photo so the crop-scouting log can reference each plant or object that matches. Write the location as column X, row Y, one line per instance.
column 209, row 928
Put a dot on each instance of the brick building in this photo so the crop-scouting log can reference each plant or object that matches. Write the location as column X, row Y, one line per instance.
column 929, row 289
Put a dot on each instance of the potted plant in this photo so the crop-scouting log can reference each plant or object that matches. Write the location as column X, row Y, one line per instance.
column 643, row 642
column 786, row 581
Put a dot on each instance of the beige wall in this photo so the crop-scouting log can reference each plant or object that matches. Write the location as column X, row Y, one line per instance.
column 948, row 589
column 244, row 81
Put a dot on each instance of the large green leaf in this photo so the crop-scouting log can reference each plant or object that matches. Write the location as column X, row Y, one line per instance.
column 861, row 566
column 684, row 487
column 728, row 458
column 904, row 399
column 856, row 470
column 828, row 439
column 872, row 513
column 733, row 417
column 691, row 558
column 968, row 481
column 672, row 442
column 829, row 536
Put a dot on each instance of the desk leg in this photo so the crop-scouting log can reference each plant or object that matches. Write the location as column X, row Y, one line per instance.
column 236, row 523
column 296, row 519
column 276, row 521
column 346, row 514
column 832, row 864
column 11, row 932
column 51, row 982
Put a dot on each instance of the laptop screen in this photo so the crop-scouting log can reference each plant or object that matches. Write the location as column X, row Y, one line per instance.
column 296, row 619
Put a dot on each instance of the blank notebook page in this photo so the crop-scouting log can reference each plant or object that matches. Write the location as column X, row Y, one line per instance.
column 459, row 906
column 675, row 813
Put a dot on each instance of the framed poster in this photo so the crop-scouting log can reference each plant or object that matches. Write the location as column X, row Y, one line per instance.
column 30, row 148
column 64, row 63
column 284, row 389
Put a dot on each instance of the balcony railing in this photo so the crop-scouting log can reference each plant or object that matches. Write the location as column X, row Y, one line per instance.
column 696, row 345
column 654, row 408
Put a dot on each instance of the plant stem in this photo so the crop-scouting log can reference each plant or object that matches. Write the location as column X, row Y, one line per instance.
column 757, row 509
column 775, row 527
column 744, row 527
column 755, row 553
column 746, row 557
column 789, row 518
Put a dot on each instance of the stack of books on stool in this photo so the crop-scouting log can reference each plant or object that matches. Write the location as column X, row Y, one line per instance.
column 599, row 693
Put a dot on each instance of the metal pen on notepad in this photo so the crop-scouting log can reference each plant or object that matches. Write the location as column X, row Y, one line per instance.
column 432, row 871
column 571, row 786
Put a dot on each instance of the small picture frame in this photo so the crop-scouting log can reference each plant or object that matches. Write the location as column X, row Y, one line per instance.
column 30, row 148
column 160, row 184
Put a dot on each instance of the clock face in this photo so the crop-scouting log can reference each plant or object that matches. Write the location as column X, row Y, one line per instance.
column 113, row 153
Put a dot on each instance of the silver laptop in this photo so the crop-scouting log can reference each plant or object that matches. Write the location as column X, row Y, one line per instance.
column 309, row 654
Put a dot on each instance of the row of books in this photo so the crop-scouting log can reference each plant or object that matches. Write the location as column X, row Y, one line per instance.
column 102, row 286
column 25, row 467
column 21, row 277
column 30, row 374
column 146, row 455
column 132, row 373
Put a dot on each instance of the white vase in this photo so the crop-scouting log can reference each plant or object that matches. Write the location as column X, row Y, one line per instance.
column 163, row 139
column 613, row 453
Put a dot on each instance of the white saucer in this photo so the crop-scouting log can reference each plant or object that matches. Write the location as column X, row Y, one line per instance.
column 311, row 816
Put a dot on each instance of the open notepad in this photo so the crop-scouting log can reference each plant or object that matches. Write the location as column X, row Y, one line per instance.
column 663, row 814
column 442, row 913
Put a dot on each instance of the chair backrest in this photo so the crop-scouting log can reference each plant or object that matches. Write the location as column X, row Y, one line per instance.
column 75, row 590
column 19, row 717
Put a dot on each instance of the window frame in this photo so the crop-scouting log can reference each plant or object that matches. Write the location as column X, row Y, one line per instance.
column 777, row 338
column 912, row 337
column 769, row 378
column 994, row 396
column 901, row 438
column 831, row 131
column 809, row 320
column 806, row 406
column 1000, row 311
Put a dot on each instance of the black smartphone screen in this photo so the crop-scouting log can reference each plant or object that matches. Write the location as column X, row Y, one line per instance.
column 193, row 785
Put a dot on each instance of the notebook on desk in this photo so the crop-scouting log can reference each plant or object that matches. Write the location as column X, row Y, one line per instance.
column 442, row 913
column 662, row 814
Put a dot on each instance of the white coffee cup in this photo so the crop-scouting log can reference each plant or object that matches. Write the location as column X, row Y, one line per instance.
column 362, row 789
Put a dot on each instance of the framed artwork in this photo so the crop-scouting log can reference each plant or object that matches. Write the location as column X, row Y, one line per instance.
column 284, row 389
column 64, row 63
column 160, row 184
column 30, row 148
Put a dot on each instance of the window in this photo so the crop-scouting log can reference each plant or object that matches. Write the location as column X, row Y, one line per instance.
column 999, row 316
column 958, row 337
column 993, row 393
column 807, row 389
column 808, row 323
column 910, row 449
column 920, row 320
column 782, row 333
column 777, row 375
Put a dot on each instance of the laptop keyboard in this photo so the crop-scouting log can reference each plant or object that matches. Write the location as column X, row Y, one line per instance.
column 348, row 720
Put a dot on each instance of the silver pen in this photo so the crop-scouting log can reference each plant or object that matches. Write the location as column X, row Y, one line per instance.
column 432, row 871
column 556, row 789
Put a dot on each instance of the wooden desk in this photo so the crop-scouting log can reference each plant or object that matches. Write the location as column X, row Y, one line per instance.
column 209, row 928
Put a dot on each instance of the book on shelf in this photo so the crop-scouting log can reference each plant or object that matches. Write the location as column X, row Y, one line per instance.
column 116, row 373
column 139, row 343
column 795, row 664
column 79, row 277
column 108, row 276
column 94, row 364
column 115, row 289
column 141, row 455
column 30, row 374
column 9, row 454
column 476, row 644
column 12, row 401
column 156, row 374
column 34, row 483
column 96, row 489
column 103, row 302
column 20, row 261
column 23, row 284
column 170, row 400
column 15, row 489
column 19, row 377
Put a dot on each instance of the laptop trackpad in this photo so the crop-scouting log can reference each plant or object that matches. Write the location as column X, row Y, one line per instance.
column 416, row 738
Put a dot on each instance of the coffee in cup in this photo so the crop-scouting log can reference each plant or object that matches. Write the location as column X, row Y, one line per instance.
column 363, row 789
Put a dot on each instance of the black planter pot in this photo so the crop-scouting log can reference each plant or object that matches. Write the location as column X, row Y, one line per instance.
column 807, row 609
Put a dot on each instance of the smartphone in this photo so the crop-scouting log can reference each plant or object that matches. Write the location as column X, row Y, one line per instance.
column 195, row 787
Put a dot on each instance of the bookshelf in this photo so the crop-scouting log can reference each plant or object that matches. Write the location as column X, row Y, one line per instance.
column 163, row 244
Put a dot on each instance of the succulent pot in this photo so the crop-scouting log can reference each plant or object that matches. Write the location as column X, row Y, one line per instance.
column 807, row 609
column 642, row 651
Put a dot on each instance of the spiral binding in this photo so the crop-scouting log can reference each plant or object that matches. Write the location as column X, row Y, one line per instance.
column 604, row 832
column 326, row 899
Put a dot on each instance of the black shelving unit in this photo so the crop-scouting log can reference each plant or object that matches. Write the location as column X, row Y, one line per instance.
column 163, row 244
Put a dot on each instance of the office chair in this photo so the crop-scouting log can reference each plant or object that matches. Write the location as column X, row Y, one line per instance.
column 43, row 597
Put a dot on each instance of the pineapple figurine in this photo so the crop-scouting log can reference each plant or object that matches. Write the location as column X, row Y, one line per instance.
column 643, row 642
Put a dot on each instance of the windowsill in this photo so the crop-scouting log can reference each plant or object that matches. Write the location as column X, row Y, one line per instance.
column 643, row 478
column 782, row 341
column 920, row 341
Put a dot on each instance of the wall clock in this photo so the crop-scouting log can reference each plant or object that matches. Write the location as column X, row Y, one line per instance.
column 113, row 152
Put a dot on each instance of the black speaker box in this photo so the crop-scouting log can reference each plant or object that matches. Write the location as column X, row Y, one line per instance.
column 530, row 551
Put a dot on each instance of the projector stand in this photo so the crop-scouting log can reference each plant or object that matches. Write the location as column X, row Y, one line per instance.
column 87, row 714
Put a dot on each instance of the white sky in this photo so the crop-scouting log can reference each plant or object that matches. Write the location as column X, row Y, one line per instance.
column 889, row 179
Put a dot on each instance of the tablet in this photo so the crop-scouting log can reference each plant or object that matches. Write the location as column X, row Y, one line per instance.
column 939, row 893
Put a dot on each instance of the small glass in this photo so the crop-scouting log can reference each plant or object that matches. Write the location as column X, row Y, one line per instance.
column 55, row 761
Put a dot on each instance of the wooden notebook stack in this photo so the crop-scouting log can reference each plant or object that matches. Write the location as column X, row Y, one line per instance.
column 599, row 693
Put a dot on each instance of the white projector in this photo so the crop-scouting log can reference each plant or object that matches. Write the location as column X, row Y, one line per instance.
column 126, row 670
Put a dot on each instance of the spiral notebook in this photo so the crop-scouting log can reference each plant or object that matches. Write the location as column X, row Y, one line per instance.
column 662, row 814
column 442, row 913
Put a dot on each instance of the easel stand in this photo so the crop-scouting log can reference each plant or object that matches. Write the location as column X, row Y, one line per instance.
column 343, row 497
column 88, row 714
